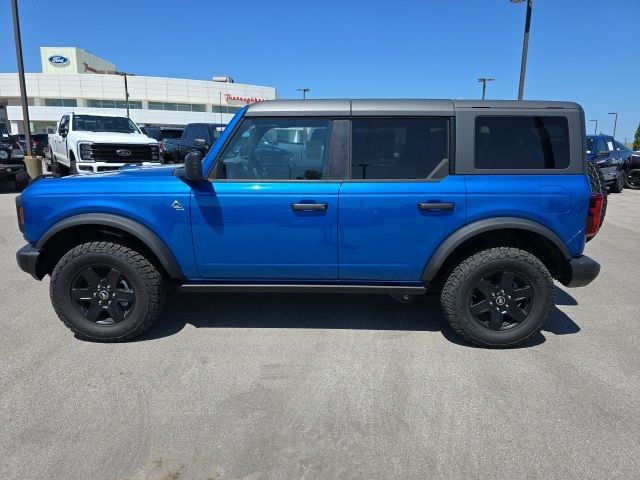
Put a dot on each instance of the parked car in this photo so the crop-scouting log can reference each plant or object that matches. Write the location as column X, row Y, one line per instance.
column 195, row 137
column 12, row 168
column 38, row 143
column 604, row 151
column 632, row 162
column 489, row 199
column 163, row 133
column 99, row 143
column 11, row 142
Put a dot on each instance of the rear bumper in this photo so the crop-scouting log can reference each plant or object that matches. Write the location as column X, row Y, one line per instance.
column 27, row 258
column 582, row 271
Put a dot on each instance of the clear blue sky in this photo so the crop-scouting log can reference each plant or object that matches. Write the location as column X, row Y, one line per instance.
column 582, row 50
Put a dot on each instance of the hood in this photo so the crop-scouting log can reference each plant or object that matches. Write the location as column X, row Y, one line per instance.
column 114, row 137
column 128, row 180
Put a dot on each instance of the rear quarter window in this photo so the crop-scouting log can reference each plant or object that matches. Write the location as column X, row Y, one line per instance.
column 521, row 142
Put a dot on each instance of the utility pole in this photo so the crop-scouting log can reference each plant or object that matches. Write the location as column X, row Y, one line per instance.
column 304, row 92
column 525, row 46
column 615, row 123
column 484, row 81
column 595, row 130
column 23, row 88
column 126, row 87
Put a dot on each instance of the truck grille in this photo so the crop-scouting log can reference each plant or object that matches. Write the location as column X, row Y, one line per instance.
column 103, row 152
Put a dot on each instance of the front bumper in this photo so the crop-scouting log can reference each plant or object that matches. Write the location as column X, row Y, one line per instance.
column 27, row 258
column 9, row 170
column 98, row 167
column 582, row 271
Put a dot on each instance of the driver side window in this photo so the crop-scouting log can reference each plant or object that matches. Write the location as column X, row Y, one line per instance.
column 276, row 149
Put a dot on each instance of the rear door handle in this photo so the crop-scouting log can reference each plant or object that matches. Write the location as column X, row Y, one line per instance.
column 435, row 206
column 315, row 207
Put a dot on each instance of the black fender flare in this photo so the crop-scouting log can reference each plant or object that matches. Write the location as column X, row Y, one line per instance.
column 133, row 228
column 481, row 226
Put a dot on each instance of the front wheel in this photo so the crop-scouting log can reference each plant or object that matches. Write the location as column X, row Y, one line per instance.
column 105, row 291
column 499, row 297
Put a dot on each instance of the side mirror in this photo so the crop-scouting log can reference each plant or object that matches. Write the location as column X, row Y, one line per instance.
column 200, row 142
column 603, row 153
column 63, row 132
column 193, row 166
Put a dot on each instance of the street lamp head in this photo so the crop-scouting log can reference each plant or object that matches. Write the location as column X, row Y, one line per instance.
column 613, row 113
column 483, row 79
column 517, row 1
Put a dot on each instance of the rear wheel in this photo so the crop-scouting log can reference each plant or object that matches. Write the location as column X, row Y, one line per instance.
column 618, row 184
column 105, row 291
column 633, row 180
column 499, row 297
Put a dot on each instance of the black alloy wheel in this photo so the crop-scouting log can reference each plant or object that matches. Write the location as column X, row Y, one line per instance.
column 501, row 300
column 102, row 295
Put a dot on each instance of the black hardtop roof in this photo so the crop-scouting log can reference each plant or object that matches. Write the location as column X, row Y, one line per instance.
column 362, row 107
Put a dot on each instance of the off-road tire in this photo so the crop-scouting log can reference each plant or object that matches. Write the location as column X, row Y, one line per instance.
column 618, row 185
column 598, row 185
column 21, row 180
column 147, row 285
column 459, row 286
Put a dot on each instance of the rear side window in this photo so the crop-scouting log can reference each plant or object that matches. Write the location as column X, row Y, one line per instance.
column 521, row 142
column 398, row 148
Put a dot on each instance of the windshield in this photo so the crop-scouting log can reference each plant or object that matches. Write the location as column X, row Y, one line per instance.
column 95, row 123
column 590, row 144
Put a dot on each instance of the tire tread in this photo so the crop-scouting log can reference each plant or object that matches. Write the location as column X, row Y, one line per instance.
column 152, row 277
column 466, row 267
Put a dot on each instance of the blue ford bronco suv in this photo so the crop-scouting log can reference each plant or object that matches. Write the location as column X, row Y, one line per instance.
column 488, row 201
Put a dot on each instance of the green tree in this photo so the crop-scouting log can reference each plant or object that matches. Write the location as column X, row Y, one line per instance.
column 636, row 139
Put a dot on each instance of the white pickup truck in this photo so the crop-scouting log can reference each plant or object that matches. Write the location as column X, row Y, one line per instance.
column 88, row 143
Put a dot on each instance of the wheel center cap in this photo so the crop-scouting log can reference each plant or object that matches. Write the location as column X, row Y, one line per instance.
column 103, row 294
column 500, row 300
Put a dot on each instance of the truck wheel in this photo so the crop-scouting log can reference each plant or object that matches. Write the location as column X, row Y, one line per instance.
column 21, row 180
column 598, row 185
column 618, row 185
column 106, row 292
column 498, row 297
column 632, row 180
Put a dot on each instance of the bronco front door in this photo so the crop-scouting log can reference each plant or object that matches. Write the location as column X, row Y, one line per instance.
column 269, row 211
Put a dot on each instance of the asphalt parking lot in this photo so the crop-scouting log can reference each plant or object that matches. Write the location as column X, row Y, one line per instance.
column 324, row 386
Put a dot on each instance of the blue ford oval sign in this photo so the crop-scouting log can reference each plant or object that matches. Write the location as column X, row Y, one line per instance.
column 58, row 60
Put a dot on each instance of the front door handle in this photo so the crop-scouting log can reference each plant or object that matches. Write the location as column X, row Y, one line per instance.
column 435, row 206
column 315, row 207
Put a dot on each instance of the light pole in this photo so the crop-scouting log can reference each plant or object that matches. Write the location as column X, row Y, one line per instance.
column 615, row 123
column 126, row 87
column 525, row 46
column 484, row 81
column 595, row 129
column 23, row 87
column 304, row 92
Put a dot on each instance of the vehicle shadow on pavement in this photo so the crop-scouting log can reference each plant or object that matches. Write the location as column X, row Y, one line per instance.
column 323, row 311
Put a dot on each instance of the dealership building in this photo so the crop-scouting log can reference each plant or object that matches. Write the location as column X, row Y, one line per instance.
column 73, row 79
